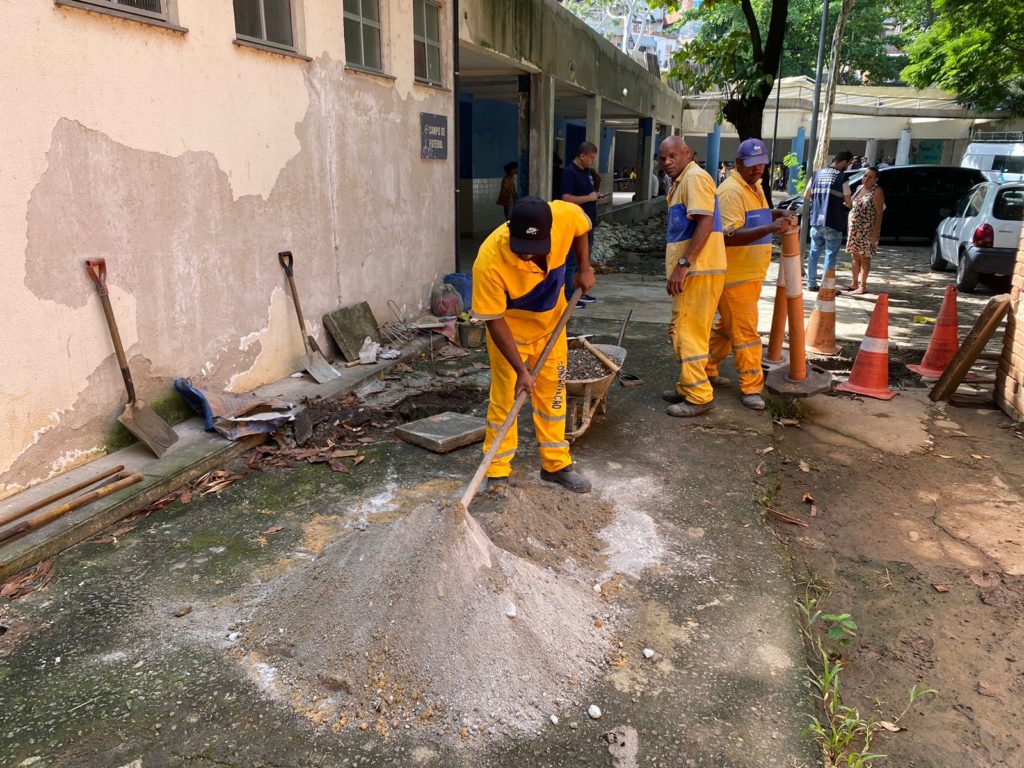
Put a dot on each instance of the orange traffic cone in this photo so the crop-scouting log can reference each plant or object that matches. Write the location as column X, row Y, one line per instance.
column 870, row 374
column 944, row 343
column 821, row 327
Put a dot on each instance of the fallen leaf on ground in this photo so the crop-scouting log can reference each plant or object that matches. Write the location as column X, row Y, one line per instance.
column 358, row 460
column 986, row 690
column 337, row 465
column 786, row 518
column 272, row 530
column 891, row 727
column 344, row 454
column 805, row 467
column 481, row 366
column 940, row 587
column 759, row 469
column 808, row 499
column 789, row 422
column 980, row 456
column 943, row 456
column 36, row 577
column 763, row 451
column 814, row 511
column 921, row 319
column 186, row 497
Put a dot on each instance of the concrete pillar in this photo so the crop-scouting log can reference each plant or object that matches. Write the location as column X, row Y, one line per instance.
column 542, row 134
column 871, row 151
column 799, row 147
column 903, row 148
column 524, row 135
column 714, row 146
column 645, row 158
column 594, row 124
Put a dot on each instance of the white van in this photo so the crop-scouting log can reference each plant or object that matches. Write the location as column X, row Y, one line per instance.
column 999, row 161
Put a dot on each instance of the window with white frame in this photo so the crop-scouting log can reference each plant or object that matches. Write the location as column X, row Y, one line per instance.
column 427, row 41
column 268, row 22
column 362, row 34
column 150, row 9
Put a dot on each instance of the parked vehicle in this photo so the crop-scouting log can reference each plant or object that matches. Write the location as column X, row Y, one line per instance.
column 914, row 196
column 981, row 234
column 999, row 161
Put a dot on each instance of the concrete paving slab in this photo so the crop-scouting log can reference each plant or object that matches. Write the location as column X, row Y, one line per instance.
column 897, row 426
column 349, row 327
column 444, row 432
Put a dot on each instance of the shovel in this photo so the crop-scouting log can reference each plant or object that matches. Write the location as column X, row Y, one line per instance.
column 137, row 417
column 315, row 362
column 478, row 478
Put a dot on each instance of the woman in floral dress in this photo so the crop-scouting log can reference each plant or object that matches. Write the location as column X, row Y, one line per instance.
column 865, row 225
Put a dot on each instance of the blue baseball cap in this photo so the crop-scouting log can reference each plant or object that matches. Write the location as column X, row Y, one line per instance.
column 752, row 152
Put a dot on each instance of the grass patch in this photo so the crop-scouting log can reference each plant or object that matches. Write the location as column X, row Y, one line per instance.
column 784, row 407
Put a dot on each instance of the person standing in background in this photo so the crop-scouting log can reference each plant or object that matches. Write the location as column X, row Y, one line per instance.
column 509, row 192
column 865, row 229
column 577, row 186
column 829, row 196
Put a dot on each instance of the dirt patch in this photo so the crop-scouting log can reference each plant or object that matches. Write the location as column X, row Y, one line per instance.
column 900, row 377
column 546, row 525
column 424, row 623
column 922, row 548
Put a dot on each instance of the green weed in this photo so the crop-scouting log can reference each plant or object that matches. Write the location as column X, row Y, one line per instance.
column 784, row 407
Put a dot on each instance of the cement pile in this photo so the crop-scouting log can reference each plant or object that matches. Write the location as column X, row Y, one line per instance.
column 425, row 623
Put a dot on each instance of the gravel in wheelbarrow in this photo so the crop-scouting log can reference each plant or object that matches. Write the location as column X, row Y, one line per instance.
column 583, row 366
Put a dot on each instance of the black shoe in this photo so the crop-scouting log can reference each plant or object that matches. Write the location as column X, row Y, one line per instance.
column 497, row 484
column 587, row 299
column 812, row 288
column 567, row 477
column 671, row 396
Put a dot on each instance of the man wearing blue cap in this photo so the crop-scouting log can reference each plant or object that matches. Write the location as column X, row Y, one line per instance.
column 748, row 223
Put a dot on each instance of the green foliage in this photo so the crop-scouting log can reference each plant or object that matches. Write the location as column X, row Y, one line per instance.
column 975, row 49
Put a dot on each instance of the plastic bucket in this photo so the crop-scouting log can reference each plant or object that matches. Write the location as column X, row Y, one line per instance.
column 464, row 285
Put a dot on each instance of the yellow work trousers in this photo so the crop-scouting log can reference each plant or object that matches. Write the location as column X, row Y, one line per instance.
column 548, row 400
column 736, row 332
column 693, row 312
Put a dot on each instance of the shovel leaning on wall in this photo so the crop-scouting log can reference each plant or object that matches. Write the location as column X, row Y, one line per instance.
column 315, row 362
column 137, row 417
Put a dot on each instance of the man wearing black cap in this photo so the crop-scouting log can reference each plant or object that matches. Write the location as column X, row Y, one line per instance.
column 519, row 291
column 829, row 196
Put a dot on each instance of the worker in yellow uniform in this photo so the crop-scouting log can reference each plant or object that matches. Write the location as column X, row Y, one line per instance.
column 748, row 223
column 695, row 267
column 519, row 291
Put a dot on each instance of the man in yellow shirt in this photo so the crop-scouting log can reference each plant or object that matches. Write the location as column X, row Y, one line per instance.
column 748, row 223
column 519, row 291
column 695, row 268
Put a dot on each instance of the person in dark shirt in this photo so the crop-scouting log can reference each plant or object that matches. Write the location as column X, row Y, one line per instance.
column 578, row 187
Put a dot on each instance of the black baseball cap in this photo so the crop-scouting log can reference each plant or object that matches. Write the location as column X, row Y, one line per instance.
column 530, row 227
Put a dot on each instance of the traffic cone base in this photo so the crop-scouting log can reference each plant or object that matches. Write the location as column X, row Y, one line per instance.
column 870, row 374
column 945, row 342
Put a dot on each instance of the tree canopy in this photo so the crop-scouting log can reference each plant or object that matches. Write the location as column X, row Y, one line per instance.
column 974, row 48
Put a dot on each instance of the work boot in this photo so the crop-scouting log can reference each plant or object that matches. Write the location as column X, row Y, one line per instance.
column 753, row 401
column 719, row 381
column 671, row 396
column 567, row 477
column 686, row 409
column 497, row 485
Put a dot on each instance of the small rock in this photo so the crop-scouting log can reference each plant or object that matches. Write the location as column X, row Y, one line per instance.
column 594, row 711
column 233, row 636
column 573, row 726
column 336, row 683
column 597, row 588
column 185, row 610
column 554, row 719
column 510, row 610
column 986, row 690
column 363, row 726
column 648, row 653
column 914, row 536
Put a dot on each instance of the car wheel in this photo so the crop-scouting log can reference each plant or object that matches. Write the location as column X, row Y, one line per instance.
column 937, row 263
column 966, row 277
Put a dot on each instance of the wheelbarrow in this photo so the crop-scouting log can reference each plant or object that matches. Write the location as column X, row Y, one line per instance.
column 587, row 397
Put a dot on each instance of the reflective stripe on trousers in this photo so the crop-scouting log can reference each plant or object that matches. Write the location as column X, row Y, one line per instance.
column 693, row 311
column 736, row 331
column 548, row 400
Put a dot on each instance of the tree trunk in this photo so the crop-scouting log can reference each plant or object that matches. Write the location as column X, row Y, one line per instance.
column 834, row 63
column 747, row 116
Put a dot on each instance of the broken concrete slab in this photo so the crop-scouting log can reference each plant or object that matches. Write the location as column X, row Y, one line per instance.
column 892, row 427
column 349, row 327
column 444, row 432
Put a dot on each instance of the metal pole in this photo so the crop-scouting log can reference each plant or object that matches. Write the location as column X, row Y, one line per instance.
column 455, row 125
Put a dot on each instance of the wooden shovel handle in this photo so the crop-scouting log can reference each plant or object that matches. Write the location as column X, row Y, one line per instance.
column 607, row 361
column 96, row 269
column 19, row 513
column 478, row 478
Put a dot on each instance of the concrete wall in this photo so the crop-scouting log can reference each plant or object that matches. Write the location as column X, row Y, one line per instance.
column 188, row 162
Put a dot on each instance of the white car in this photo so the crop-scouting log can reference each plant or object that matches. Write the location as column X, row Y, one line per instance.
column 981, row 235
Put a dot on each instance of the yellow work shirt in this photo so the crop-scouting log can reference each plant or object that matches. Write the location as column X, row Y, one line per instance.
column 693, row 194
column 530, row 299
column 744, row 206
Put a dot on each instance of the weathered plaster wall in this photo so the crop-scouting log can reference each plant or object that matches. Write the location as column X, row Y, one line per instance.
column 540, row 35
column 188, row 162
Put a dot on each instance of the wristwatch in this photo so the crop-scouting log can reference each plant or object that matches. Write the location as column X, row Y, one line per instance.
column 684, row 262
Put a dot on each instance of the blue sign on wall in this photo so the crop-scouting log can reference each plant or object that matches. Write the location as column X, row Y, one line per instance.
column 433, row 136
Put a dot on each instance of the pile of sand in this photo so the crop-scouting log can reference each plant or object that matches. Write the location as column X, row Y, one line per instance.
column 411, row 623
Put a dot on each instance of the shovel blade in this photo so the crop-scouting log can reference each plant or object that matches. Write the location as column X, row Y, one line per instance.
column 143, row 422
column 320, row 369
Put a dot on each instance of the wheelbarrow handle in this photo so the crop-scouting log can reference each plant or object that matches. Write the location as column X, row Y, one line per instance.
column 96, row 269
column 287, row 262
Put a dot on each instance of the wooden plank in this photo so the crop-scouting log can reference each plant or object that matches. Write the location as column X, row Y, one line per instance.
column 984, row 328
